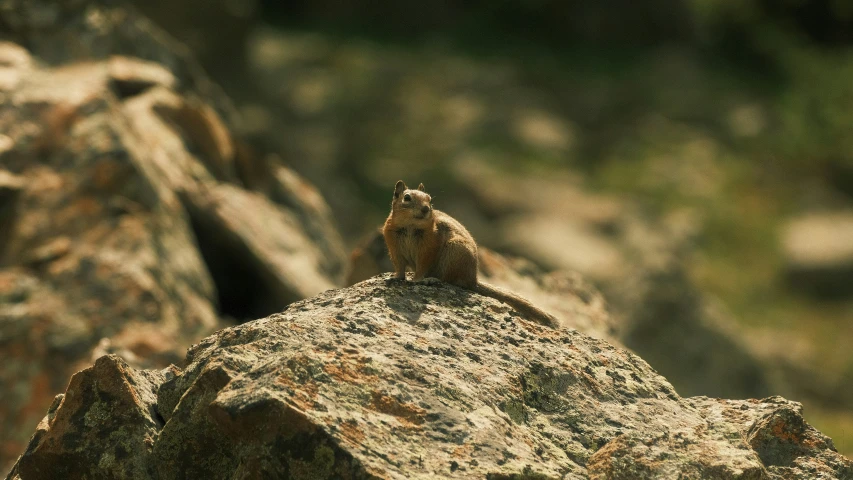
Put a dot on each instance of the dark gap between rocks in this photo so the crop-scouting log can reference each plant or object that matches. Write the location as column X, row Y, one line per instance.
column 243, row 290
column 125, row 89
column 9, row 194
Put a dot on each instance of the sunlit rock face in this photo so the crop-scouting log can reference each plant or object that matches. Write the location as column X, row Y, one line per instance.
column 387, row 379
column 132, row 219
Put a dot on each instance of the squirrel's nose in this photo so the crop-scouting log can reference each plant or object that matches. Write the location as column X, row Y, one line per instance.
column 425, row 209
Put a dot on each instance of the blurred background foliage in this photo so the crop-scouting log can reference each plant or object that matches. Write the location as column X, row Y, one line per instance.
column 733, row 116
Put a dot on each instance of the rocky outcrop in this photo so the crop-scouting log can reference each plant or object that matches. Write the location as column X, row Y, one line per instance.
column 132, row 219
column 124, row 401
column 394, row 380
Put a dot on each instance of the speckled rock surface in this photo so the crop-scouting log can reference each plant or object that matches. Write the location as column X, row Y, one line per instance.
column 656, row 310
column 394, row 380
column 101, row 427
column 132, row 219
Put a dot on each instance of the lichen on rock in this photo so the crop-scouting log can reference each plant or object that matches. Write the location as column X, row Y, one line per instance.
column 387, row 379
column 131, row 221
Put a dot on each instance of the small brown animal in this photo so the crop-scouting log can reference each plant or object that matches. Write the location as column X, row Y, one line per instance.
column 435, row 245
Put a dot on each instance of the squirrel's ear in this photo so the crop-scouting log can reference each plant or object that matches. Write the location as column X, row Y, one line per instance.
column 421, row 187
column 399, row 188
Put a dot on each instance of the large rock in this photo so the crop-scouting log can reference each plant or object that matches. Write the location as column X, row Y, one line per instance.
column 124, row 401
column 393, row 380
column 132, row 220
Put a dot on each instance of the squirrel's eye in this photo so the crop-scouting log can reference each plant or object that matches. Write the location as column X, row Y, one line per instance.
column 407, row 197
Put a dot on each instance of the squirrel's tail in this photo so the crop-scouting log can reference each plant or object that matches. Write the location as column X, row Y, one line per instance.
column 519, row 303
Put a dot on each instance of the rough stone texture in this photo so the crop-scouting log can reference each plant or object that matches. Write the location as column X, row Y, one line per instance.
column 132, row 220
column 818, row 250
column 774, row 427
column 104, row 426
column 658, row 312
column 387, row 379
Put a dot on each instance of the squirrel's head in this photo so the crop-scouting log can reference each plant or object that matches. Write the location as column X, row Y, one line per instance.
column 411, row 204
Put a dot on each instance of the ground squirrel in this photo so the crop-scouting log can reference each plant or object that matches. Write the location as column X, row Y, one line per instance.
column 435, row 245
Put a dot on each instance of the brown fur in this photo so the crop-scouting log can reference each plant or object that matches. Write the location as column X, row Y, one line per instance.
column 434, row 244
